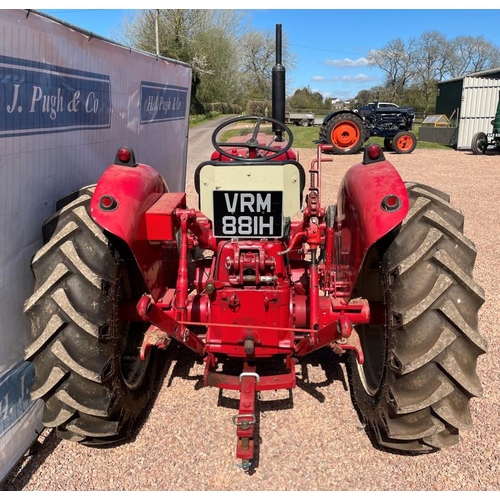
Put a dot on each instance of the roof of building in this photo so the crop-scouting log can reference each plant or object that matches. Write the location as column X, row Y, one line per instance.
column 478, row 73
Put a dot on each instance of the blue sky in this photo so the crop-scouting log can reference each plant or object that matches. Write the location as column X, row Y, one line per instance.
column 331, row 45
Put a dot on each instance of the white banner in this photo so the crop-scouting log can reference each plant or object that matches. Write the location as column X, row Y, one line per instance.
column 68, row 101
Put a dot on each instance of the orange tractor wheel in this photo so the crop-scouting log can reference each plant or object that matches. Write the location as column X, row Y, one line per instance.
column 404, row 143
column 346, row 133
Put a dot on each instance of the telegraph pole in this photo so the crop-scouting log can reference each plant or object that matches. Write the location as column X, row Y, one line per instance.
column 157, row 16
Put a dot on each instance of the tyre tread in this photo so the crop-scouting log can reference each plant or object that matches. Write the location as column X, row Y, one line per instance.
column 433, row 338
column 73, row 317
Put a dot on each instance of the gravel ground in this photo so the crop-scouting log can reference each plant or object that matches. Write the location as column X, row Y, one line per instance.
column 312, row 439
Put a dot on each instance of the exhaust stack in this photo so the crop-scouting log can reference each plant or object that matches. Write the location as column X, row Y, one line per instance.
column 278, row 88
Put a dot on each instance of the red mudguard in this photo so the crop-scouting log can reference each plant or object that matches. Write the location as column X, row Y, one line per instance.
column 372, row 201
column 135, row 190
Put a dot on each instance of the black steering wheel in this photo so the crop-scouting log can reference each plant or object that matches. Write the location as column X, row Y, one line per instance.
column 252, row 145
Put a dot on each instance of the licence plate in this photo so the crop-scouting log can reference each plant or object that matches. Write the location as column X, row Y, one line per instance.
column 248, row 214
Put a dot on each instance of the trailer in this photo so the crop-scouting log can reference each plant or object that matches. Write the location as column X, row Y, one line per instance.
column 301, row 119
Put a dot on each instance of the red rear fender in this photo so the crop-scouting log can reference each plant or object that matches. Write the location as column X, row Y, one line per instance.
column 372, row 201
column 134, row 190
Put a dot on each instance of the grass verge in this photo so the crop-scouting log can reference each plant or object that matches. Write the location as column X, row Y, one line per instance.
column 304, row 137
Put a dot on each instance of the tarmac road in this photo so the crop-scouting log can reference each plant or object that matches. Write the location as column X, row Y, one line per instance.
column 200, row 146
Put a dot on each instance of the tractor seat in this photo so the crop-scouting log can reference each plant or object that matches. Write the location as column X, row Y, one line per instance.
column 250, row 195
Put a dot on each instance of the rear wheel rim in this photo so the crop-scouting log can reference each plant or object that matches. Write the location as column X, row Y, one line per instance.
column 372, row 370
column 345, row 135
column 405, row 143
column 372, row 336
column 482, row 143
column 133, row 369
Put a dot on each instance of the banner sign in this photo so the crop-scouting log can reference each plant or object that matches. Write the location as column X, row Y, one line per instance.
column 161, row 103
column 68, row 101
column 14, row 395
column 40, row 98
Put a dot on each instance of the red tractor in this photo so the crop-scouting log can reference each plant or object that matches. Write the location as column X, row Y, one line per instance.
column 257, row 277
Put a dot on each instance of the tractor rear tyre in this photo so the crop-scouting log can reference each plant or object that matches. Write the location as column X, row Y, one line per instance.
column 86, row 359
column 345, row 132
column 404, row 143
column 479, row 143
column 413, row 390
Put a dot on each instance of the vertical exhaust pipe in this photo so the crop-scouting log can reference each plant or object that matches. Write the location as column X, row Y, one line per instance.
column 278, row 88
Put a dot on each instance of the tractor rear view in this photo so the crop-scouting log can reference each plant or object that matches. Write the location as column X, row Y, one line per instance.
column 257, row 277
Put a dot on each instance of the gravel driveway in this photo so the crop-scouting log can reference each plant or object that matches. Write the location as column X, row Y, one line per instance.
column 312, row 439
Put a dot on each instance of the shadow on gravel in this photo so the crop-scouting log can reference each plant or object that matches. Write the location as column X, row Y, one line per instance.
column 184, row 360
column 325, row 359
column 491, row 152
column 34, row 458
column 330, row 364
column 178, row 356
column 177, row 362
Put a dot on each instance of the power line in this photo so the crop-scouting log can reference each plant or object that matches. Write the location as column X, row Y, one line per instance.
column 70, row 11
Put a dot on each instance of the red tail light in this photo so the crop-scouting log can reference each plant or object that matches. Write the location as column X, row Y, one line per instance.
column 107, row 203
column 125, row 156
column 373, row 154
column 374, row 151
column 391, row 203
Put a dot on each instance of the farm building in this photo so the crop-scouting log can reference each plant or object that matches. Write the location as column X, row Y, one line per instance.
column 471, row 102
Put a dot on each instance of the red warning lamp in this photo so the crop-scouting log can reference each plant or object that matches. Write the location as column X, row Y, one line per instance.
column 125, row 156
column 373, row 154
column 374, row 151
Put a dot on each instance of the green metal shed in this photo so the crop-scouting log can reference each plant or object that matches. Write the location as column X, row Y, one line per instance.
column 471, row 102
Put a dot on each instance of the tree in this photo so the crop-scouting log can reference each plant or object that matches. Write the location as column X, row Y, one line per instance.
column 257, row 51
column 363, row 97
column 472, row 54
column 433, row 51
column 396, row 59
column 305, row 99
column 206, row 39
column 413, row 68
column 377, row 93
column 230, row 63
